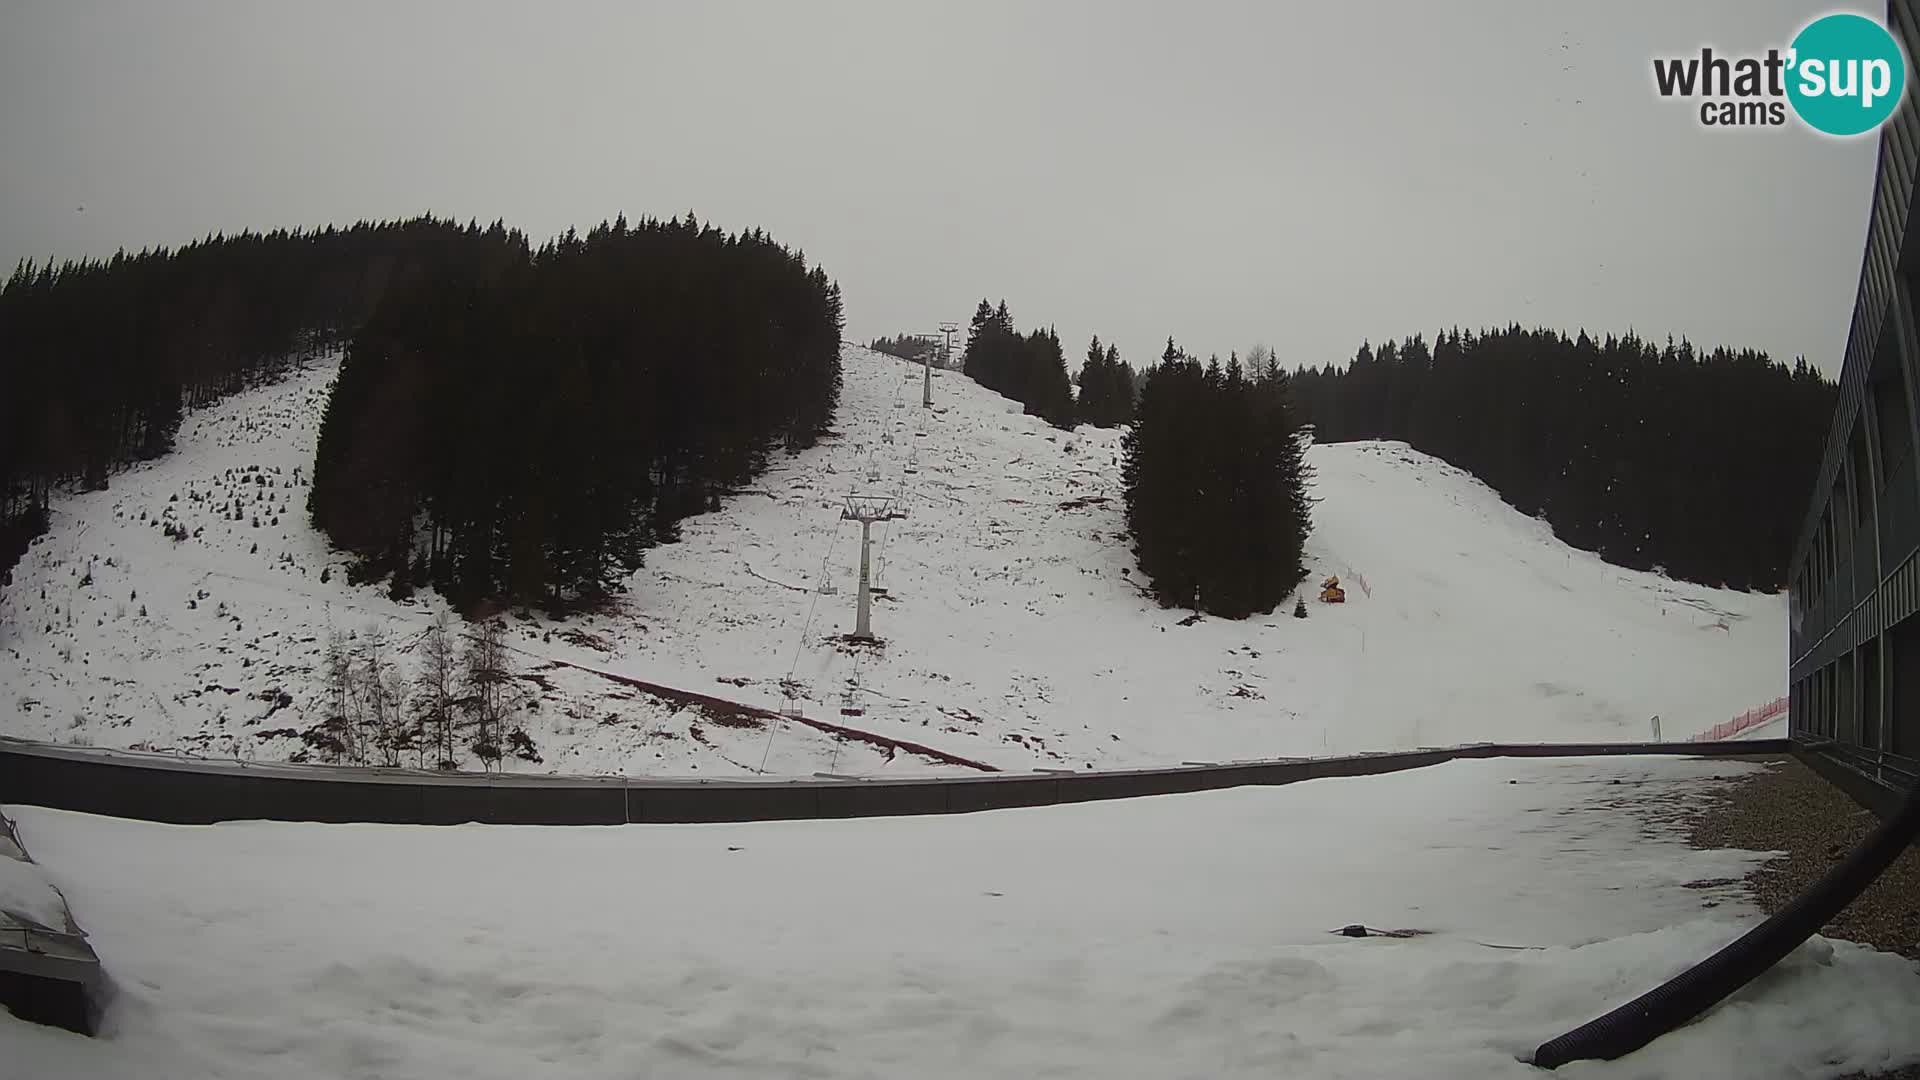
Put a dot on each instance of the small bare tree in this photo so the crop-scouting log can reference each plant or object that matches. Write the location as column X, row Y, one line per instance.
column 342, row 697
column 435, row 687
column 403, row 735
column 487, row 685
column 380, row 714
column 1262, row 362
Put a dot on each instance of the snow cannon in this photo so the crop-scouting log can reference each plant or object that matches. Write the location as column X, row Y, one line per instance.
column 1331, row 592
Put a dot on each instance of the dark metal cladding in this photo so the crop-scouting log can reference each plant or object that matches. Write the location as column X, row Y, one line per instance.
column 1854, row 582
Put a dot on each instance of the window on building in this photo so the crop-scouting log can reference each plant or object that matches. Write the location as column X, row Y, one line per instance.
column 1846, row 719
column 1828, row 564
column 1810, row 569
column 1830, row 710
column 1903, row 679
column 1818, row 725
column 1842, row 529
column 1862, row 476
column 1869, row 663
column 1890, row 414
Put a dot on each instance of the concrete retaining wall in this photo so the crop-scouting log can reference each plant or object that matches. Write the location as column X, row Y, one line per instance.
column 154, row 787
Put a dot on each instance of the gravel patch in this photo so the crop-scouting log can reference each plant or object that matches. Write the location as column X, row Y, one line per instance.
column 1788, row 808
column 1812, row 825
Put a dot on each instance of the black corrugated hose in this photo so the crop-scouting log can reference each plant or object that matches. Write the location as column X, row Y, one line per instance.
column 1701, row 987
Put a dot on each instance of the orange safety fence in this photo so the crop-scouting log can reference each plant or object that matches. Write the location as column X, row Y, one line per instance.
column 1752, row 718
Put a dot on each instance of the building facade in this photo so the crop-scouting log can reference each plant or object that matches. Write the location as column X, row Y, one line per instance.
column 1854, row 590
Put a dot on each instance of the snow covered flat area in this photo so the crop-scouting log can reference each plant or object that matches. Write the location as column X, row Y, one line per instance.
column 1180, row 936
column 1015, row 632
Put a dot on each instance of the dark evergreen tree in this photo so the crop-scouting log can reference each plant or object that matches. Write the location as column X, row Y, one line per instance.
column 528, row 429
column 917, row 348
column 1126, row 385
column 1106, row 387
column 101, row 358
column 1653, row 456
column 1215, row 481
column 1030, row 369
column 1049, row 393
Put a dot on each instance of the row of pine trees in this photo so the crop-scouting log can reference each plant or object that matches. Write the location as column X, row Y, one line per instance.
column 1105, row 394
column 99, row 358
column 1029, row 368
column 526, row 430
column 1653, row 456
column 912, row 347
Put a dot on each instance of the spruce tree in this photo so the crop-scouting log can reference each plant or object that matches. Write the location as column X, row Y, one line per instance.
column 1106, row 387
column 1091, row 380
column 1124, row 391
column 1215, row 482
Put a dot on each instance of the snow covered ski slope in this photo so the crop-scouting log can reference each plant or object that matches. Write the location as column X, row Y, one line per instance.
column 1015, row 631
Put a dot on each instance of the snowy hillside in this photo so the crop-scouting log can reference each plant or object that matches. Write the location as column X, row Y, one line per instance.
column 1013, row 633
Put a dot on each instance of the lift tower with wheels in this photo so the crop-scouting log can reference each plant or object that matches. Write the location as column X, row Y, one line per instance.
column 866, row 509
column 946, row 359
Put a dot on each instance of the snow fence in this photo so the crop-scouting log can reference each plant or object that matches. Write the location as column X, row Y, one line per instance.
column 1746, row 721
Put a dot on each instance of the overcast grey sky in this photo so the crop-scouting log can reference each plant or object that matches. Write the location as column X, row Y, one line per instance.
column 1302, row 174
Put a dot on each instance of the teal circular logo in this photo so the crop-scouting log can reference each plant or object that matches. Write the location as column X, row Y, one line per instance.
column 1845, row 74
